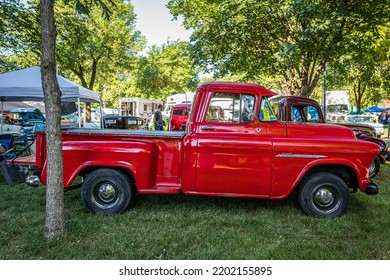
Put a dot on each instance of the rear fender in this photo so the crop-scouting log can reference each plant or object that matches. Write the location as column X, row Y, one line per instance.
column 137, row 157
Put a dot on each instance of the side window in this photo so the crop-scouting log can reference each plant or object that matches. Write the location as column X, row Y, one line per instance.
column 296, row 115
column 177, row 112
column 305, row 114
column 312, row 114
column 230, row 107
column 247, row 107
column 266, row 113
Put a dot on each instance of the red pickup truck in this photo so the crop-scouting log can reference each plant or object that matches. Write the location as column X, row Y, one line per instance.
column 179, row 117
column 240, row 150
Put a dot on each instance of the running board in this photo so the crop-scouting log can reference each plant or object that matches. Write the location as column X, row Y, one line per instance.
column 161, row 189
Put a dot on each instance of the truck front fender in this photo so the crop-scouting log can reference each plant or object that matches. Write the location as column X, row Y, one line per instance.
column 286, row 181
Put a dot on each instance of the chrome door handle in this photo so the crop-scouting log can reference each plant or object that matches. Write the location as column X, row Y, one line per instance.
column 207, row 128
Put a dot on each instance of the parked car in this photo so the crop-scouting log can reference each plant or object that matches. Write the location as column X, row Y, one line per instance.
column 367, row 120
column 27, row 118
column 27, row 115
column 12, row 128
column 179, row 116
column 122, row 122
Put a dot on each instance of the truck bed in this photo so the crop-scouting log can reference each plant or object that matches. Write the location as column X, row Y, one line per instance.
column 124, row 132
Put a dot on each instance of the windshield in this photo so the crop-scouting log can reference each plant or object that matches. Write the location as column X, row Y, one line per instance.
column 361, row 119
column 341, row 108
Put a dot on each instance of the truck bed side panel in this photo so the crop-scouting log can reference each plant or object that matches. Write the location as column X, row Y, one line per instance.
column 152, row 159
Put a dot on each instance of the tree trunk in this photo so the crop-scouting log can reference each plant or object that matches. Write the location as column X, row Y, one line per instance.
column 55, row 218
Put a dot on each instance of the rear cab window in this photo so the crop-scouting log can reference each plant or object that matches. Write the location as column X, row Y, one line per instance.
column 178, row 112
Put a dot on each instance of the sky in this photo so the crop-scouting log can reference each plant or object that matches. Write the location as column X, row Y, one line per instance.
column 156, row 23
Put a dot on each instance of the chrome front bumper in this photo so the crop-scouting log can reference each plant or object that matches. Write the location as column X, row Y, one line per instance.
column 33, row 181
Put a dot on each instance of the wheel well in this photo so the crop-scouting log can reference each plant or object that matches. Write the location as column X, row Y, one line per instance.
column 127, row 172
column 344, row 172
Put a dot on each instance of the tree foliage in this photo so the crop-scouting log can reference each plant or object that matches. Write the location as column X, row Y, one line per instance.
column 91, row 49
column 363, row 68
column 167, row 69
column 291, row 39
column 106, row 7
column 14, row 21
column 91, row 45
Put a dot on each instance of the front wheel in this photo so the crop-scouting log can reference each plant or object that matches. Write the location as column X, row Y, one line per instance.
column 374, row 167
column 324, row 195
column 106, row 191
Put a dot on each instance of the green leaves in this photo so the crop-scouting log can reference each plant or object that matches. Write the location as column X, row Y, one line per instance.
column 86, row 6
column 289, row 38
column 97, row 51
column 166, row 70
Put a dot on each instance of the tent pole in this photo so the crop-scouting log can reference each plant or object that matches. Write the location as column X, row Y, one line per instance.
column 101, row 115
column 2, row 111
column 79, row 112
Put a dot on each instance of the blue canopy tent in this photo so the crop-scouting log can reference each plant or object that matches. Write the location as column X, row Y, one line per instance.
column 374, row 109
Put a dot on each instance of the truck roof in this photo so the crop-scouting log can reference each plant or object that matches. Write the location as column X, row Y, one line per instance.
column 236, row 86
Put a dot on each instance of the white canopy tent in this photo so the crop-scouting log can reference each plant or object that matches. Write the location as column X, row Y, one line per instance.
column 25, row 85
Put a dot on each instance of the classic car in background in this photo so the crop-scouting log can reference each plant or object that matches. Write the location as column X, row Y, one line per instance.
column 11, row 128
column 27, row 115
column 22, row 120
column 179, row 116
column 367, row 120
column 122, row 122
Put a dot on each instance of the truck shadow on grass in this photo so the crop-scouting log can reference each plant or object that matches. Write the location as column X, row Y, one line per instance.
column 182, row 201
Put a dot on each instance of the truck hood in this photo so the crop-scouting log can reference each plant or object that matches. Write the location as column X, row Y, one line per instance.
column 360, row 128
column 316, row 130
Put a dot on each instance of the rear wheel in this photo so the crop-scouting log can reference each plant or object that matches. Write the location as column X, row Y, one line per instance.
column 324, row 195
column 106, row 191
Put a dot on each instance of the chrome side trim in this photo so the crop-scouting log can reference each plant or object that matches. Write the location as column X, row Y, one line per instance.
column 288, row 155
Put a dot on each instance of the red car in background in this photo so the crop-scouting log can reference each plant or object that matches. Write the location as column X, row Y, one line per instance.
column 179, row 116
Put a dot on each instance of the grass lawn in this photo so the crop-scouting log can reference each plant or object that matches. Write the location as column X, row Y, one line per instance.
column 185, row 227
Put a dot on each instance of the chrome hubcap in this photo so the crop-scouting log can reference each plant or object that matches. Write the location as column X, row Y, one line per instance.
column 324, row 197
column 371, row 168
column 106, row 193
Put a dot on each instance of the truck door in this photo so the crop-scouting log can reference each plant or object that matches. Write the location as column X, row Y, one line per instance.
column 234, row 149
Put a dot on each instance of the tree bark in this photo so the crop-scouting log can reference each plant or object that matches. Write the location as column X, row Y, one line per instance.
column 55, row 218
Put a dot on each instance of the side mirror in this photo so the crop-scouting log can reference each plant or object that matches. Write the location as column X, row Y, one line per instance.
column 254, row 118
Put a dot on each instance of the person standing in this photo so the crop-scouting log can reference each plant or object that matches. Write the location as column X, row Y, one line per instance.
column 381, row 118
column 158, row 119
column 388, row 124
